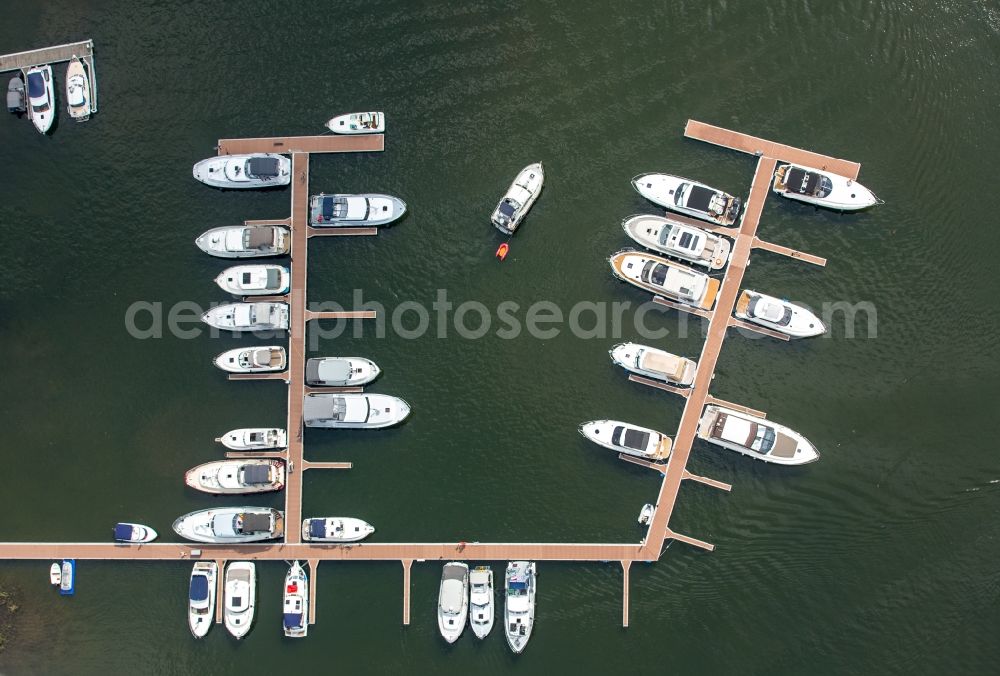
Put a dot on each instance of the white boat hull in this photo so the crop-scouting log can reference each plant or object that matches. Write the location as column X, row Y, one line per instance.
column 453, row 600
column 255, row 280
column 217, row 526
column 240, row 597
column 295, row 602
column 236, row 172
column 778, row 315
column 822, row 188
column 357, row 123
column 354, row 211
column 340, row 371
column 41, row 98
column 78, row 91
column 245, row 241
column 519, row 604
column 248, row 317
column 519, row 198
column 481, row 601
column 653, row 363
column 337, row 529
column 270, row 358
column 626, row 438
column 688, row 197
column 671, row 237
column 354, row 411
column 666, row 278
column 226, row 477
column 254, row 438
column 735, row 430
column 201, row 610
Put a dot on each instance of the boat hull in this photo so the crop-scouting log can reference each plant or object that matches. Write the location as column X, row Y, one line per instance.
column 844, row 194
column 228, row 241
column 247, row 317
column 201, row 612
column 790, row 447
column 703, row 290
column 67, row 577
column 357, row 123
column 523, row 192
column 383, row 411
column 254, row 438
column 228, row 172
column 295, row 602
column 601, row 432
column 632, row 357
column 78, row 91
column 205, row 477
column 41, row 98
column 453, row 600
column 519, row 614
column 240, row 583
column 230, row 361
column 663, row 189
column 349, row 529
column 802, row 322
column 195, row 526
column 646, row 230
column 363, row 210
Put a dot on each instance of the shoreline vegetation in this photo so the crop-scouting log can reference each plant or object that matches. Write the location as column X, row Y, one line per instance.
column 9, row 606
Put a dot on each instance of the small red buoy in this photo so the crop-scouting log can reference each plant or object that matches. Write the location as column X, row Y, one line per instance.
column 502, row 250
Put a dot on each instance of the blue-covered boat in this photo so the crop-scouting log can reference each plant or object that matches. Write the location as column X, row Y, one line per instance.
column 67, row 581
column 133, row 533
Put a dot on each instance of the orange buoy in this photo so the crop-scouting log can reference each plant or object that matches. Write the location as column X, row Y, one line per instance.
column 502, row 250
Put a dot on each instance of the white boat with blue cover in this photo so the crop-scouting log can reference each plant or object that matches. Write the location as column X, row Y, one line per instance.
column 822, row 188
column 231, row 525
column 133, row 533
column 201, row 597
column 295, row 602
column 256, row 170
column 41, row 98
column 354, row 211
column 67, row 577
column 519, row 603
column 248, row 317
column 357, row 123
column 240, row 597
column 335, row 529
column 688, row 197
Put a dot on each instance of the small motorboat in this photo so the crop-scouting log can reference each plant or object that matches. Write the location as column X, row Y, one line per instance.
column 257, row 170
column 357, row 123
column 340, row 371
column 233, row 477
column 354, row 211
column 653, row 363
column 201, row 597
column 245, row 241
column 453, row 600
column 295, row 605
column 626, row 438
column 680, row 240
column 248, row 317
column 822, row 188
column 231, row 525
column 665, row 278
column 240, row 591
column 67, row 577
column 133, row 533
column 689, row 197
column 252, row 359
column 335, row 529
column 481, row 601
column 353, row 411
column 254, row 438
column 55, row 574
column 646, row 514
column 16, row 101
column 519, row 198
column 41, row 98
column 255, row 280
column 756, row 437
column 519, row 603
column 779, row 315
column 78, row 90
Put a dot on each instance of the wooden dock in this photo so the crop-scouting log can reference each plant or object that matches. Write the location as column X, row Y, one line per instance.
column 84, row 49
column 303, row 145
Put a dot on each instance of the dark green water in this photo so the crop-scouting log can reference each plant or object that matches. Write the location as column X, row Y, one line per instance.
column 879, row 558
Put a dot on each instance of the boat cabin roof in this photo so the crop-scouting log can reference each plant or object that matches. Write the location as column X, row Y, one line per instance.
column 329, row 369
column 700, row 198
column 805, row 182
column 258, row 237
column 256, row 474
column 317, row 528
column 770, row 310
column 254, row 522
column 663, row 362
column 123, row 531
column 263, row 167
column 199, row 588
column 36, row 85
column 293, row 620
column 630, row 438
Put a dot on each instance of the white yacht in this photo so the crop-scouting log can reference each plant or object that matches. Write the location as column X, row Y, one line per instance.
column 481, row 600
column 453, row 600
column 252, row 359
column 340, row 371
column 519, row 198
column 55, row 574
column 240, row 592
column 248, row 317
column 335, row 529
column 646, row 514
column 245, row 241
column 665, row 278
column 779, row 315
column 231, row 525
column 689, row 197
column 357, row 123
column 627, row 438
column 257, row 170
column 41, row 98
column 201, row 597
column 354, row 211
column 653, row 363
column 353, row 411
column 680, row 240
column 254, row 438
column 134, row 533
column 78, row 90
column 519, row 603
column 255, row 280
column 234, row 477
column 822, row 188
column 756, row 437
column 295, row 605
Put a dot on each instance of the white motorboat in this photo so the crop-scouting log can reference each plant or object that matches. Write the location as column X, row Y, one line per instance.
column 756, row 437
column 67, row 577
column 354, row 211
column 689, row 197
column 233, row 477
column 252, row 359
column 519, row 198
column 257, row 170
column 134, row 533
column 822, row 188
column 453, row 600
column 335, row 529
column 17, row 102
column 357, row 123
column 353, row 411
column 295, row 617
column 646, row 514
column 340, row 371
column 255, row 280
column 240, row 593
column 519, row 603
column 254, row 438
column 779, row 315
column 231, row 525
column 481, row 601
column 653, row 363
column 626, row 438
column 41, row 98
column 55, row 574
column 680, row 240
column 665, row 278
column 78, row 90
column 201, row 597
column 248, row 317
column 245, row 241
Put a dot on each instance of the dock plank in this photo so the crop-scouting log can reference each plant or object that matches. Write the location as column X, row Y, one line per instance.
column 47, row 55
column 326, row 143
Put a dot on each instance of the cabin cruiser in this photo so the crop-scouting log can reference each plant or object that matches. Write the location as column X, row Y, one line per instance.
column 256, row 170
column 628, row 439
column 248, row 317
column 822, row 188
column 353, row 411
column 517, row 201
column 340, row 371
column 665, row 278
column 254, row 438
column 201, row 597
column 252, row 359
column 232, row 477
column 77, row 90
column 357, row 123
column 17, row 103
column 295, row 618
column 240, row 592
column 354, row 210
column 245, row 241
column 519, row 603
column 689, row 197
column 646, row 514
column 653, row 363
column 779, row 315
column 335, row 529
column 481, row 600
column 255, row 280
column 55, row 574
column 680, row 240
column 453, row 600
column 756, row 437
column 41, row 98
column 230, row 525
column 67, row 577
column 134, row 533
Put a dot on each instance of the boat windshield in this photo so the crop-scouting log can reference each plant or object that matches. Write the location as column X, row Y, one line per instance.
column 654, row 273
column 517, row 588
column 679, row 195
column 764, row 441
column 664, row 234
column 808, row 182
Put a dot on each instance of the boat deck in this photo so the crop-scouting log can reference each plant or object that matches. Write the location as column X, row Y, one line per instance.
column 22, row 61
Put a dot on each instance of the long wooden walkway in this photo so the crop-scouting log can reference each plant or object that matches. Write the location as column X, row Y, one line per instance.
column 328, row 143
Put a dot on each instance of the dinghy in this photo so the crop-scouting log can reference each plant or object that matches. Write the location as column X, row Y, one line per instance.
column 248, row 317
column 55, row 574
column 779, row 315
column 240, row 597
column 354, row 211
column 41, row 99
column 519, row 198
column 233, row 477
column 357, row 123
column 822, row 188
column 201, row 597
column 519, row 603
column 755, row 437
column 245, row 241
column 257, row 170
column 335, row 529
column 653, row 363
column 626, row 438
column 78, row 90
column 17, row 103
column 665, row 278
column 340, row 371
column 689, row 197
column 133, row 533
column 295, row 602
column 353, row 411
column 453, row 600
column 254, row 438
column 231, row 525
column 680, row 240
column 481, row 601
column 255, row 280
column 252, row 359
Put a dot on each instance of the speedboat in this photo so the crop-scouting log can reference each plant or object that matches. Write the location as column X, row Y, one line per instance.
column 335, row 529
column 55, row 574
column 245, row 241
column 77, row 90
column 665, row 278
column 519, row 603
column 254, row 438
column 248, row 317
column 780, row 315
column 67, row 577
column 231, row 477
column 366, row 210
column 756, row 437
column 357, row 123
column 822, row 188
column 201, row 597
column 295, row 618
column 231, row 525
column 256, row 170
column 680, row 240
column 453, row 600
column 353, row 411
column 255, row 280
column 653, row 363
column 646, row 514
column 481, row 600
column 240, row 597
column 689, row 197
column 340, row 371
column 626, row 438
column 252, row 359
column 41, row 98
column 521, row 194
column 133, row 533
column 16, row 101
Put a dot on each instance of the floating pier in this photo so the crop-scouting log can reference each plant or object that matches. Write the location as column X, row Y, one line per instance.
column 22, row 61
